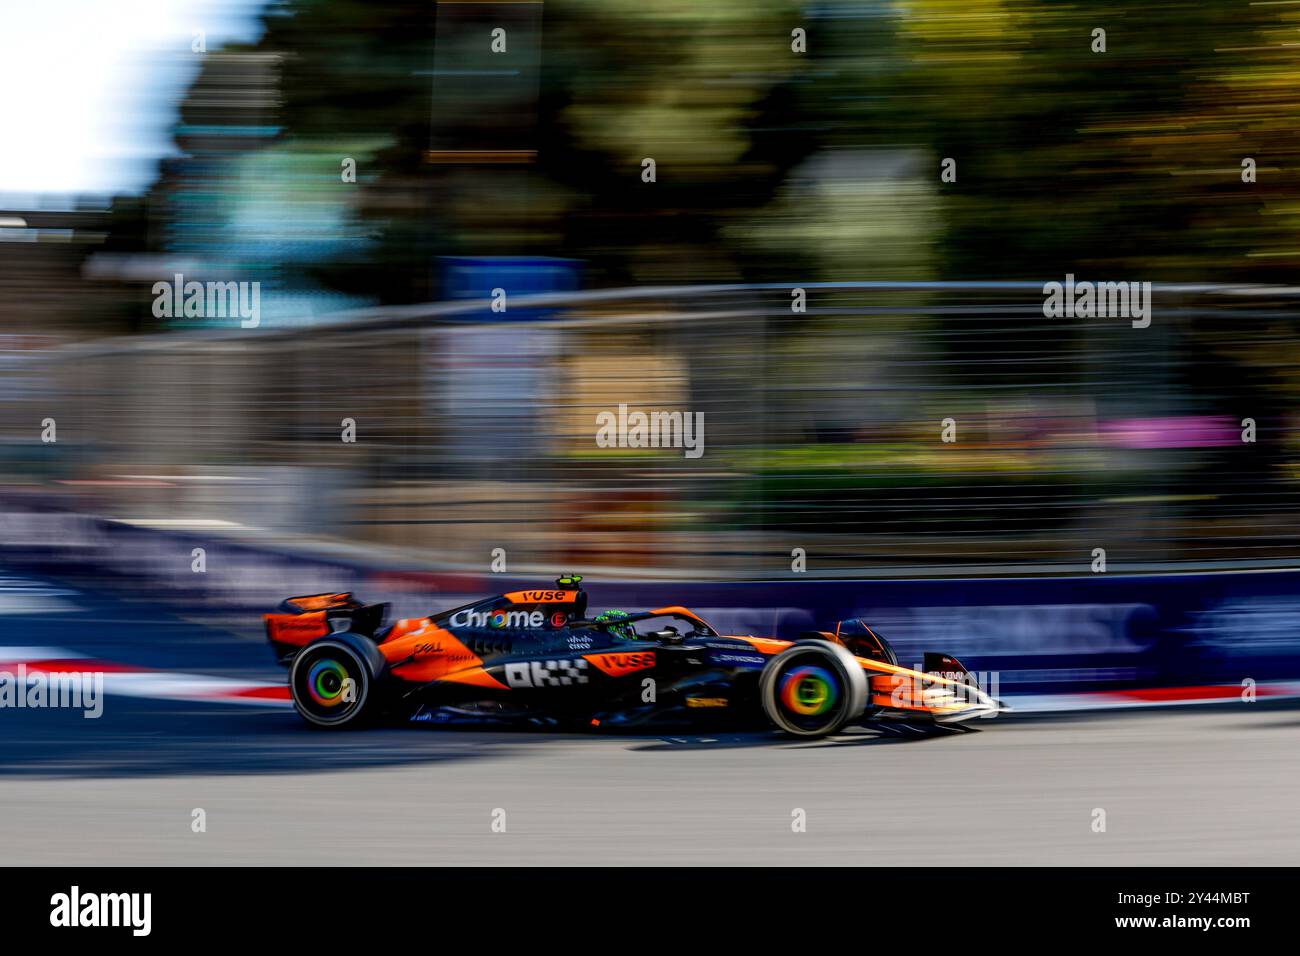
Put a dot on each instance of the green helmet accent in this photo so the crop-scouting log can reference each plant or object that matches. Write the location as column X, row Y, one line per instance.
column 622, row 630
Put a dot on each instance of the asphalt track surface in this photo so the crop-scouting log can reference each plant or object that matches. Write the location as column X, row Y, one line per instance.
column 1187, row 786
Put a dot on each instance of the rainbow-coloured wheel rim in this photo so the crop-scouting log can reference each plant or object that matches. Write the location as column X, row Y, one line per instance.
column 329, row 684
column 326, row 682
column 808, row 691
column 813, row 689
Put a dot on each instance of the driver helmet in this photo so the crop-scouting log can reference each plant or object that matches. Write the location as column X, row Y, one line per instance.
column 625, row 631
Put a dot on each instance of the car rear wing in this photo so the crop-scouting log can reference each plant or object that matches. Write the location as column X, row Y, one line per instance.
column 300, row 620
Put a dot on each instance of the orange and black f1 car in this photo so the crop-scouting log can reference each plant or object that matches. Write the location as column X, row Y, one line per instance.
column 533, row 657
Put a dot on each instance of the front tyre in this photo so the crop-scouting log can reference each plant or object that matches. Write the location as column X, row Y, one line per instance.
column 813, row 689
column 331, row 684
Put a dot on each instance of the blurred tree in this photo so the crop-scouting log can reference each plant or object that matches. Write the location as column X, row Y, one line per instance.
column 707, row 92
column 1124, row 163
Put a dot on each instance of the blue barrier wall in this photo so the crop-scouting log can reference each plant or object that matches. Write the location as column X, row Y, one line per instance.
column 1040, row 635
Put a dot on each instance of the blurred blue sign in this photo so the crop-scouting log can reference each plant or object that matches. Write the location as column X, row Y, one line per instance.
column 476, row 277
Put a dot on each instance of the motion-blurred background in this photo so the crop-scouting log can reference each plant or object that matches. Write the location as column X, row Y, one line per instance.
column 837, row 257
column 380, row 168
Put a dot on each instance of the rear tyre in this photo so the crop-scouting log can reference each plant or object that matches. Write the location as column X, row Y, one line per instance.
column 331, row 684
column 813, row 689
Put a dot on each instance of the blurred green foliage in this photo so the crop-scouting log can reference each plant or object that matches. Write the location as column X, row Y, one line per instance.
column 775, row 164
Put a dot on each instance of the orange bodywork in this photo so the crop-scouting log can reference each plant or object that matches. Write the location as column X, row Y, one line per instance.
column 900, row 688
column 418, row 651
column 427, row 652
column 684, row 612
column 319, row 602
column 542, row 596
column 620, row 663
column 406, row 626
column 296, row 629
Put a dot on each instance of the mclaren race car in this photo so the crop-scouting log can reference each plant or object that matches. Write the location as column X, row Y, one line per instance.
column 533, row 657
